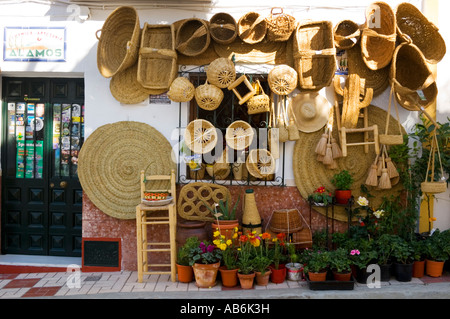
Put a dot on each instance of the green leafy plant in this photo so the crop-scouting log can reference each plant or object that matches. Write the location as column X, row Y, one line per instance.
column 384, row 246
column 321, row 195
column 342, row 180
column 204, row 253
column 316, row 260
column 437, row 246
column 340, row 260
column 262, row 261
column 403, row 251
column 419, row 250
column 183, row 255
column 224, row 210
column 277, row 252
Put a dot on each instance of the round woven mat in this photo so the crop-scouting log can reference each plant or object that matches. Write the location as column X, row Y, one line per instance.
column 310, row 174
column 111, row 160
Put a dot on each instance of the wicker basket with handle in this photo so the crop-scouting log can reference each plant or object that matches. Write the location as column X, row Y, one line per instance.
column 258, row 103
column 279, row 25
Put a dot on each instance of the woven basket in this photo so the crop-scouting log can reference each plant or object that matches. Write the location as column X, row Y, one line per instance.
column 258, row 103
column 252, row 28
column 260, row 163
column 430, row 186
column 119, row 41
column 221, row 72
column 413, row 25
column 223, row 28
column 208, row 96
column 346, row 34
column 282, row 79
column 390, row 139
column 414, row 83
column 314, row 54
column 239, row 135
column 378, row 42
column 286, row 221
column 200, row 136
column 181, row 90
column 279, row 25
column 157, row 62
column 193, row 37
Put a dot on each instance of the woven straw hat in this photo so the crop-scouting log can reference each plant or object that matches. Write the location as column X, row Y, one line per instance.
column 310, row 173
column 111, row 160
column 200, row 136
column 193, row 37
column 118, row 43
column 282, row 79
column 346, row 34
column 311, row 111
column 252, row 27
column 413, row 25
column 223, row 28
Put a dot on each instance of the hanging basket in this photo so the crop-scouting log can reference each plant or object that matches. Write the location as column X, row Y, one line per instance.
column 258, row 103
column 200, row 136
column 239, row 135
column 223, row 28
column 346, row 34
column 193, row 37
column 252, row 28
column 181, row 90
column 208, row 96
column 430, row 186
column 118, row 43
column 221, row 72
column 279, row 25
column 260, row 163
column 282, row 79
column 390, row 139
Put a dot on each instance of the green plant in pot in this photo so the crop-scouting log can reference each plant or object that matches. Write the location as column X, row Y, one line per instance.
column 225, row 214
column 184, row 268
column 294, row 268
column 403, row 254
column 320, row 197
column 384, row 246
column 262, row 260
column 419, row 256
column 317, row 264
column 437, row 249
column 340, row 264
column 205, row 260
column 343, row 182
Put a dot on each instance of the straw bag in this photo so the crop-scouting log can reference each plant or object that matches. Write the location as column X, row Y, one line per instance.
column 252, row 28
column 208, row 96
column 413, row 26
column 221, row 72
column 200, row 136
column 386, row 139
column 346, row 34
column 239, row 135
column 260, row 163
column 431, row 186
column 223, row 28
column 279, row 25
column 282, row 79
column 181, row 90
column 118, row 43
column 285, row 221
column 258, row 103
column 193, row 37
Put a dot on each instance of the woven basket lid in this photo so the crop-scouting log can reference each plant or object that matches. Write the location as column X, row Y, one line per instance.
column 111, row 160
column 311, row 111
column 309, row 174
column 118, row 43
column 200, row 136
column 223, row 28
column 260, row 163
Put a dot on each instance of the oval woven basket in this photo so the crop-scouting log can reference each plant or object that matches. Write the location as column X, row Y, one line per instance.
column 252, row 28
column 260, row 163
column 223, row 28
column 193, row 37
column 433, row 187
column 239, row 135
column 118, row 43
column 346, row 34
column 181, row 90
column 286, row 220
column 282, row 79
column 221, row 72
column 200, row 136
column 279, row 25
column 258, row 103
column 208, row 96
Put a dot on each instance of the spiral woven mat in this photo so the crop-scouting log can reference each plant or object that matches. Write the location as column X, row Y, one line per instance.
column 310, row 174
column 111, row 160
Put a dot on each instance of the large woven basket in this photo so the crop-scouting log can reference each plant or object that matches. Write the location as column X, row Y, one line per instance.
column 314, row 54
column 414, row 83
column 239, row 135
column 223, row 28
column 193, row 37
column 346, row 34
column 259, row 103
column 279, row 25
column 252, row 28
column 378, row 41
column 282, row 79
column 200, row 136
column 181, row 90
column 208, row 96
column 118, row 43
column 260, row 163
column 157, row 63
column 412, row 24
column 286, row 220
column 221, row 72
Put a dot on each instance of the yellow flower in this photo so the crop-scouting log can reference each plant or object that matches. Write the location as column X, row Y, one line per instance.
column 223, row 246
column 216, row 233
column 216, row 242
column 235, row 235
column 236, row 229
column 229, row 242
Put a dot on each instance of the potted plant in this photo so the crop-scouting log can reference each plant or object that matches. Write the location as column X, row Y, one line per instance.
column 278, row 267
column 320, row 197
column 419, row 254
column 317, row 264
column 205, row 260
column 246, row 254
column 228, row 270
column 262, row 261
column 184, row 269
column 343, row 182
column 403, row 254
column 437, row 252
column 340, row 264
column 384, row 246
column 225, row 215
column 294, row 268
column 362, row 254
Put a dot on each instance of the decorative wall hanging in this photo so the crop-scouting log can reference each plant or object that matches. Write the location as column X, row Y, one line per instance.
column 311, row 111
column 282, row 79
column 259, row 103
column 239, row 135
column 260, row 163
column 208, row 96
column 248, row 93
column 221, row 72
column 391, row 139
column 200, row 136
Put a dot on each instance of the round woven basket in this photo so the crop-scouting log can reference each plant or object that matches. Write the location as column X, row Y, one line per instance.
column 433, row 187
column 111, row 160
column 200, row 136
column 413, row 25
column 208, row 96
column 223, row 28
column 239, row 135
column 282, row 79
column 193, row 37
column 346, row 34
column 286, row 221
column 260, row 163
column 181, row 90
column 279, row 25
column 221, row 72
column 118, row 43
column 412, row 76
column 259, row 103
column 252, row 28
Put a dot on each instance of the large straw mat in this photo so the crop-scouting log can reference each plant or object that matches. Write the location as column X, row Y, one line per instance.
column 126, row 89
column 311, row 111
column 310, row 173
column 111, row 160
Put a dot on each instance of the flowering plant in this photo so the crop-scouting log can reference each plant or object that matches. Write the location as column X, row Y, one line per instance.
column 262, row 260
column 277, row 252
column 362, row 258
column 205, row 253
column 321, row 195
column 373, row 223
column 246, row 252
column 227, row 246
column 316, row 260
column 340, row 260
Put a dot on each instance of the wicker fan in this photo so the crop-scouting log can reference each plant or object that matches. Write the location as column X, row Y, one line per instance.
column 200, row 136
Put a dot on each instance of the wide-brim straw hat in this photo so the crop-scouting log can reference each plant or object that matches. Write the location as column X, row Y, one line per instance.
column 282, row 79
column 111, row 160
column 414, row 83
column 252, row 27
column 193, row 37
column 412, row 24
column 239, row 135
column 118, row 43
column 200, row 136
column 346, row 34
column 311, row 111
column 378, row 40
column 223, row 28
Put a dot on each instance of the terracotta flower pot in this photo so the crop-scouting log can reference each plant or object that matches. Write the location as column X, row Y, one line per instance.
column 317, row 276
column 185, row 273
column 278, row 275
column 419, row 269
column 434, row 268
column 246, row 280
column 339, row 276
column 206, row 274
column 342, row 196
column 263, row 280
column 229, row 276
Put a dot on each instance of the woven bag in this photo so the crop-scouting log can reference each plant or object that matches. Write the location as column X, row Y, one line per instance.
column 252, row 28
column 385, row 138
column 221, row 72
column 181, row 90
column 193, row 37
column 279, row 25
column 346, row 34
column 200, row 136
column 282, row 79
column 430, row 186
column 223, row 28
column 208, row 96
column 118, row 43
column 239, row 135
column 258, row 103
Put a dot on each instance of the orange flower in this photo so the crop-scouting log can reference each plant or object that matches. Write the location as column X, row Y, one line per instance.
column 243, row 238
column 265, row 236
column 281, row 236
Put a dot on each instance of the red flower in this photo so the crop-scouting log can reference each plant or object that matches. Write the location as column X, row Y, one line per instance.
column 243, row 238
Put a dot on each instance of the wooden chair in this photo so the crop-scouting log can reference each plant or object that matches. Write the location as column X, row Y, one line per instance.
column 146, row 215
